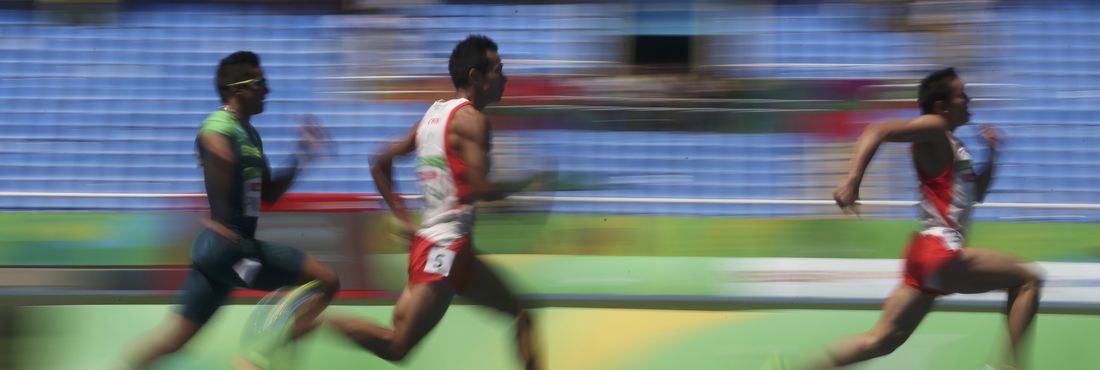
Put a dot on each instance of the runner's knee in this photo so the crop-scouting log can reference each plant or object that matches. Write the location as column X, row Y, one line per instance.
column 397, row 352
column 884, row 344
column 330, row 282
column 1031, row 278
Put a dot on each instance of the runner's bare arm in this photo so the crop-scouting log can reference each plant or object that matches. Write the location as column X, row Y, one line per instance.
column 218, row 164
column 993, row 139
column 381, row 170
column 312, row 137
column 919, row 129
column 275, row 185
column 471, row 129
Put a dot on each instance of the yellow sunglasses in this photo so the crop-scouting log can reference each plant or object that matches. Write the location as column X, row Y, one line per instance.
column 258, row 81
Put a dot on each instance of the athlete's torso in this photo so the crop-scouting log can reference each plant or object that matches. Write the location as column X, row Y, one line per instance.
column 448, row 205
column 243, row 208
column 948, row 198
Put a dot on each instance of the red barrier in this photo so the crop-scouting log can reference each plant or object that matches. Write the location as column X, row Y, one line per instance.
column 296, row 202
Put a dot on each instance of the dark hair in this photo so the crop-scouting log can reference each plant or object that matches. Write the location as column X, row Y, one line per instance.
column 935, row 87
column 236, row 67
column 470, row 53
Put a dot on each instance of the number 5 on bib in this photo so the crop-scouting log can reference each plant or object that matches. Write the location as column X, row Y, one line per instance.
column 439, row 262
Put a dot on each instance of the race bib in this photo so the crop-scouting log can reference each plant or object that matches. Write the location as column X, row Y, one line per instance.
column 252, row 192
column 439, row 261
column 951, row 237
column 247, row 269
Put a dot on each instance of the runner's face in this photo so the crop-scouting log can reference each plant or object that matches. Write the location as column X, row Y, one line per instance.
column 957, row 107
column 494, row 80
column 252, row 95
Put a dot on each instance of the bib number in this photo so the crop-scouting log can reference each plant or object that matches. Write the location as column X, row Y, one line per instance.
column 252, row 192
column 247, row 269
column 439, row 261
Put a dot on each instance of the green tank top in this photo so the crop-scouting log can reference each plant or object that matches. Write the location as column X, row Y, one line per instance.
column 243, row 210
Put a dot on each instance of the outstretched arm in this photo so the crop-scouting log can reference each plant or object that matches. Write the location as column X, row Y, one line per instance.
column 312, row 138
column 471, row 135
column 919, row 129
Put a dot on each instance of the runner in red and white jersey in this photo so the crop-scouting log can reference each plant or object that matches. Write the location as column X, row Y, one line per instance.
column 936, row 261
column 947, row 199
column 448, row 200
column 451, row 143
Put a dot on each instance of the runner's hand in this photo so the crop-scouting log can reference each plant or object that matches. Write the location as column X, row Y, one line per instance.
column 314, row 140
column 403, row 231
column 846, row 194
column 992, row 136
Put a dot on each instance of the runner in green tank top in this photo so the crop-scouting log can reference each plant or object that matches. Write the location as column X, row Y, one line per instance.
column 241, row 210
column 226, row 254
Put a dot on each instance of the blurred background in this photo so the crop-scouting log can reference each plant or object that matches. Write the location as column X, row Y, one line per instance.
column 695, row 146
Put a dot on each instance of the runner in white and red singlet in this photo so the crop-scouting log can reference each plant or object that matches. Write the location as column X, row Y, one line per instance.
column 451, row 143
column 936, row 261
